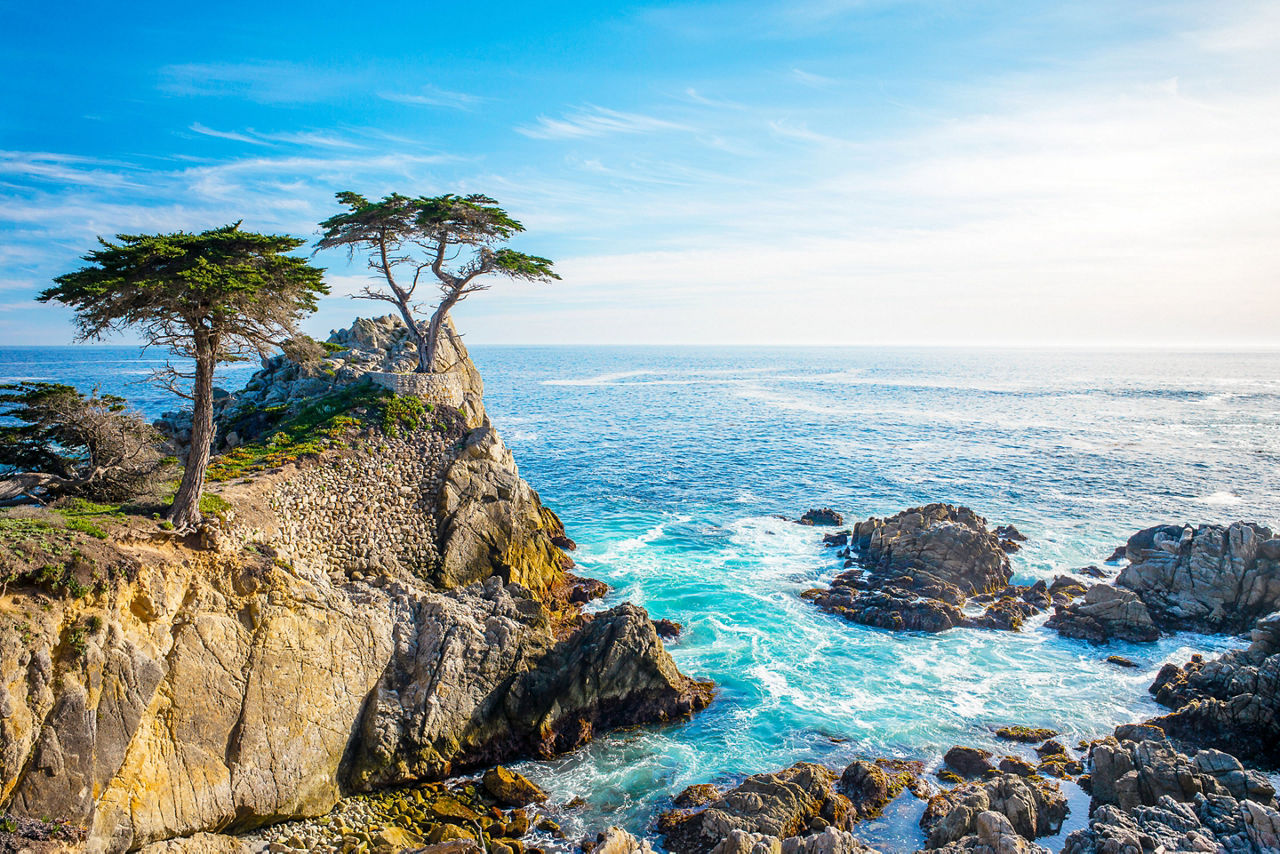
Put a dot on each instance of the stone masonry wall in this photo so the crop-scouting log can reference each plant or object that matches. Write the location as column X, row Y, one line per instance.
column 444, row 389
column 369, row 509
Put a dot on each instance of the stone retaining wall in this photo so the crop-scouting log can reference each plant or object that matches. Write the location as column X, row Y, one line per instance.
column 441, row 389
column 369, row 512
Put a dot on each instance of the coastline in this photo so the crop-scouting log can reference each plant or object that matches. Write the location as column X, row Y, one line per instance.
column 796, row 563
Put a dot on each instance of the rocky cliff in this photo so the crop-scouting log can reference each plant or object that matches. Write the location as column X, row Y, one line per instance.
column 379, row 601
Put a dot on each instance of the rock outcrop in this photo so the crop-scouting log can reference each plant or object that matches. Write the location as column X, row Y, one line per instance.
column 781, row 805
column 993, row 833
column 1209, row 578
column 1231, row 702
column 1105, row 613
column 1147, row 796
column 1205, row 579
column 1032, row 808
column 293, row 651
column 925, row 569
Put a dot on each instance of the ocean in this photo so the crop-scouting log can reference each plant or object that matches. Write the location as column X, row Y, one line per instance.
column 673, row 469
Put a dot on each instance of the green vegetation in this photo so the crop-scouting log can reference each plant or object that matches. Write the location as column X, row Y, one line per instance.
column 403, row 412
column 456, row 239
column 217, row 296
column 318, row 424
column 214, row 505
column 55, row 441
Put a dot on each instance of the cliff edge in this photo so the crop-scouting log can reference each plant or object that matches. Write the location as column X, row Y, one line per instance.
column 380, row 599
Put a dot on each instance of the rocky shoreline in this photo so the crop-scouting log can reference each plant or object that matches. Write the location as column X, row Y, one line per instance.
column 382, row 611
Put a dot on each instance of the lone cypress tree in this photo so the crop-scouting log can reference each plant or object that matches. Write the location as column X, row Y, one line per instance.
column 451, row 238
column 216, row 296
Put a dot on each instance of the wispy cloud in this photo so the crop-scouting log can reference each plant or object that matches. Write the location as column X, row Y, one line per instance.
column 434, row 96
column 596, row 122
column 64, row 169
column 815, row 81
column 268, row 82
column 226, row 134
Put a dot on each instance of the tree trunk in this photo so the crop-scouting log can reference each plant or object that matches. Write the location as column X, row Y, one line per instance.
column 415, row 332
column 438, row 318
column 185, row 512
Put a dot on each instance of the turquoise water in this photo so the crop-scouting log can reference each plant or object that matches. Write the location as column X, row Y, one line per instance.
column 671, row 467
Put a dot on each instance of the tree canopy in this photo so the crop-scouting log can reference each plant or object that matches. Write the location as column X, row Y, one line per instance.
column 211, row 296
column 450, row 239
column 56, row 441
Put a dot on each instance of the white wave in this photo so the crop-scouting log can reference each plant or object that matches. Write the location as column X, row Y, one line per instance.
column 1221, row 498
column 523, row 436
column 602, row 379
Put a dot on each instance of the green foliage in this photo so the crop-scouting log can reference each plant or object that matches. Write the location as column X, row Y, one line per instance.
column 238, row 286
column 317, row 424
column 215, row 296
column 214, row 505
column 322, row 423
column 330, row 347
column 84, row 526
column 303, row 350
column 66, row 443
column 450, row 237
column 403, row 412
column 75, row 639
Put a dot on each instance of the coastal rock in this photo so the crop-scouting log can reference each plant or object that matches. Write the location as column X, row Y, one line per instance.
column 1208, row 578
column 1231, row 702
column 993, row 834
column 938, row 544
column 781, row 805
column 199, row 843
column 615, row 840
column 296, row 652
column 969, row 762
column 1106, row 613
column 1032, row 808
column 510, row 788
column 916, row 570
column 829, row 841
column 448, row 699
column 870, row 786
column 823, row 517
column 1148, row 796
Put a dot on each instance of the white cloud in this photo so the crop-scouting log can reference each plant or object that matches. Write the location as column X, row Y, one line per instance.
column 433, row 96
column 597, row 122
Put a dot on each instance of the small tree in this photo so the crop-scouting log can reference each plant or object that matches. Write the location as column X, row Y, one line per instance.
column 213, row 297
column 452, row 239
column 59, row 442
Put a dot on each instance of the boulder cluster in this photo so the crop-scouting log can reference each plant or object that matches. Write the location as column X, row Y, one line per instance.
column 1207, row 578
column 934, row 568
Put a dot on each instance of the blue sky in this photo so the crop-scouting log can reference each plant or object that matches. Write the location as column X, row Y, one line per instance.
column 805, row 172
